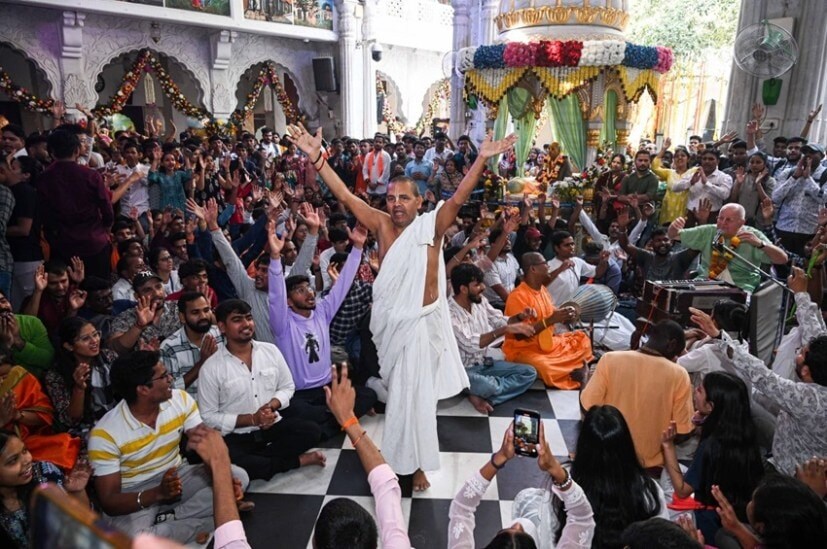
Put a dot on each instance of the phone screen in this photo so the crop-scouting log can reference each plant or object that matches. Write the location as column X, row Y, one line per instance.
column 526, row 432
column 59, row 522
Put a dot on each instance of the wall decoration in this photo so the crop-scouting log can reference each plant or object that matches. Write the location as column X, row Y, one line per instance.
column 308, row 13
column 215, row 7
column 27, row 100
column 267, row 76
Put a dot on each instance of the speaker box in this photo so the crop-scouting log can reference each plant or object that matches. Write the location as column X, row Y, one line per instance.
column 767, row 312
column 323, row 74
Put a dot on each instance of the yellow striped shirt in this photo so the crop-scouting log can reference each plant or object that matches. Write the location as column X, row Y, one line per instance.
column 121, row 443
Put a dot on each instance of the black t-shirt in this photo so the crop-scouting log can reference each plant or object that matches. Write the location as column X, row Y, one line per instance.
column 673, row 268
column 25, row 248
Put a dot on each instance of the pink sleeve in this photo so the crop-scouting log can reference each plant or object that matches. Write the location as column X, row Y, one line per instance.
column 230, row 535
column 385, row 488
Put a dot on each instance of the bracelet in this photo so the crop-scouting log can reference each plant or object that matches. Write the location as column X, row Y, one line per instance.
column 140, row 505
column 566, row 484
column 317, row 158
column 253, row 420
column 494, row 465
column 350, row 422
column 544, row 324
column 355, row 442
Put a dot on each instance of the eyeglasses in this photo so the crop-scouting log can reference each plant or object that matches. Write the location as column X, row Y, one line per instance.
column 165, row 375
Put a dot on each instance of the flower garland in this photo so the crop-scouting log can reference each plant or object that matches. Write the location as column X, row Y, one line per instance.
column 27, row 100
column 720, row 258
column 267, row 76
column 394, row 126
column 147, row 62
column 443, row 92
column 568, row 53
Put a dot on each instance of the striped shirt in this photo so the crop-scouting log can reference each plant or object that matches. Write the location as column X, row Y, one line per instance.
column 119, row 443
column 180, row 355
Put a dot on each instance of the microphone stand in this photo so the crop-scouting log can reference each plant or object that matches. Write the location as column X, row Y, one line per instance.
column 752, row 266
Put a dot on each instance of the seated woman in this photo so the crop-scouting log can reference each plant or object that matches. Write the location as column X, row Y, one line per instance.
column 616, row 484
column 727, row 456
column 20, row 473
column 26, row 410
column 79, row 386
column 529, row 526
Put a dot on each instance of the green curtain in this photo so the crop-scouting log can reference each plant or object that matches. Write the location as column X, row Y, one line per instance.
column 608, row 133
column 567, row 123
column 500, row 127
column 519, row 106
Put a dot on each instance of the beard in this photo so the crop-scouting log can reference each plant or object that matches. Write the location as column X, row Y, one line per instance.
column 201, row 327
column 475, row 298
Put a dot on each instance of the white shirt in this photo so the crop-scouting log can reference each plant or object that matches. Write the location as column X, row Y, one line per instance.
column 122, row 289
column 371, row 173
column 324, row 262
column 717, row 189
column 563, row 287
column 137, row 196
column 468, row 327
column 504, row 272
column 431, row 154
column 227, row 388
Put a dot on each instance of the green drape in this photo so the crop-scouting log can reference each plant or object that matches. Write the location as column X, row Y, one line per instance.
column 519, row 106
column 500, row 127
column 567, row 123
column 608, row 133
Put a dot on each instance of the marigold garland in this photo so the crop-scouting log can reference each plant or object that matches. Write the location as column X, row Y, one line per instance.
column 442, row 92
column 720, row 258
column 267, row 76
column 27, row 100
column 394, row 126
column 148, row 62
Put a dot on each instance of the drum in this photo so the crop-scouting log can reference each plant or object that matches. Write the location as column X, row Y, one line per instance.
column 593, row 302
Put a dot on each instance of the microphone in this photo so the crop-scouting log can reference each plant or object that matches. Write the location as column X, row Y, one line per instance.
column 716, row 240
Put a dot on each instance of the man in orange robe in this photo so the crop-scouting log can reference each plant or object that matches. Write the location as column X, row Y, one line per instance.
column 554, row 356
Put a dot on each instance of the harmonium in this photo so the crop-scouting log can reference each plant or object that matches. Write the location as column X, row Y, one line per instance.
column 672, row 298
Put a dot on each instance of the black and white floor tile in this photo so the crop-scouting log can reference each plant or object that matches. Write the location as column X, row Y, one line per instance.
column 288, row 504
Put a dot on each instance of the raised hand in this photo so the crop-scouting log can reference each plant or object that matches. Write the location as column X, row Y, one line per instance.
column 740, row 175
column 76, row 270
column 276, row 242
column 667, row 143
column 77, row 479
column 812, row 473
column 758, row 111
column 703, row 210
column 814, row 113
column 704, row 322
column 304, row 140
column 8, row 409
column 195, row 209
column 144, row 313
column 358, row 236
column 310, row 216
column 490, row 148
column 77, row 299
column 729, row 137
column 211, row 214
column 340, row 395
column 171, row 485
column 332, row 272
column 752, row 127
column 81, row 375
column 767, row 209
column 688, row 525
column 40, row 278
column 623, row 218
column 729, row 519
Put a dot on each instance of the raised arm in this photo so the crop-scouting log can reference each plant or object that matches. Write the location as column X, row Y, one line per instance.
column 448, row 213
column 311, row 144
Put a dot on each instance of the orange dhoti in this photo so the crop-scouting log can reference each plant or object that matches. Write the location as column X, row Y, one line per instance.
column 553, row 356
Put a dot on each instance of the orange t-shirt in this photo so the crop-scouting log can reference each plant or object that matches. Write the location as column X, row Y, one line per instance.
column 650, row 391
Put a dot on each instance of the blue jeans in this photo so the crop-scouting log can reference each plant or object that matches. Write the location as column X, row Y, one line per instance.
column 5, row 283
column 501, row 381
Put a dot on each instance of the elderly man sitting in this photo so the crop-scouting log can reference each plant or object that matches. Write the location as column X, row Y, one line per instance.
column 731, row 231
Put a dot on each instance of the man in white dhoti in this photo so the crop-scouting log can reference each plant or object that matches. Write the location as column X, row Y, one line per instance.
column 418, row 354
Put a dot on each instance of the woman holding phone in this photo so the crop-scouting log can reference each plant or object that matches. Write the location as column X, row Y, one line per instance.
column 530, row 516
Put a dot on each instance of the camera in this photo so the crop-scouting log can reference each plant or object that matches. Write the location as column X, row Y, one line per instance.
column 376, row 51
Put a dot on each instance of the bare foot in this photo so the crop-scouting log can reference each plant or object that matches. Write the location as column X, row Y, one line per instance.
column 312, row 458
column 480, row 404
column 202, row 537
column 420, row 481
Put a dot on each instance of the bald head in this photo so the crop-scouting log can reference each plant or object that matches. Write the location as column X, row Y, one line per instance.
column 730, row 219
column 530, row 259
column 735, row 210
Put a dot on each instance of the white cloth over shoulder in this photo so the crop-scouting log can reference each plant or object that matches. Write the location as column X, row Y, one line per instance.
column 419, row 358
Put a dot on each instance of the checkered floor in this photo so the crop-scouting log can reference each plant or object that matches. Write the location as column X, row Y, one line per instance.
column 288, row 504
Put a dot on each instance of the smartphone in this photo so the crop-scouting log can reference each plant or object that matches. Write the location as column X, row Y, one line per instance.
column 60, row 521
column 526, row 432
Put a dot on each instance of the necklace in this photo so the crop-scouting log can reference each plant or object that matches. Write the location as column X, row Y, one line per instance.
column 720, row 259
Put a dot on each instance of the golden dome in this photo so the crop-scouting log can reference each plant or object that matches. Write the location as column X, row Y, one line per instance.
column 520, row 20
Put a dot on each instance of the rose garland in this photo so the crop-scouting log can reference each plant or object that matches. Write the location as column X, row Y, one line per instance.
column 147, row 62
column 267, row 76
column 27, row 100
column 569, row 53
column 720, row 259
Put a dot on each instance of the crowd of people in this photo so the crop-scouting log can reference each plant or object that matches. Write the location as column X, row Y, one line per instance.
column 182, row 314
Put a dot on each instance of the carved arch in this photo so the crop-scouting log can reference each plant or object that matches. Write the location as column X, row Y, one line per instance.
column 50, row 77
column 393, row 86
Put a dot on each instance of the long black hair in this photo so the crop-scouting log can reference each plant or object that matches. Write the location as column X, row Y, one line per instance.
column 729, row 453
column 606, row 466
column 792, row 514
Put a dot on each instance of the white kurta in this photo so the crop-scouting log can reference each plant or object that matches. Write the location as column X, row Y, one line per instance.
column 418, row 355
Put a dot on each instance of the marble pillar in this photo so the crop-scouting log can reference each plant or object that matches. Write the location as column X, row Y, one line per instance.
column 462, row 36
column 488, row 10
column 369, row 123
column 350, row 69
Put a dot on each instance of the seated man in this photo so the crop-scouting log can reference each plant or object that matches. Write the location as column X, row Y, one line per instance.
column 30, row 343
column 730, row 231
column 128, row 266
column 801, row 431
column 476, row 326
column 56, row 294
column 141, row 480
column 344, row 328
column 185, row 351
column 150, row 322
column 660, row 263
column 193, row 277
column 302, row 331
column 647, row 387
column 98, row 306
column 553, row 356
column 501, row 279
column 339, row 240
column 243, row 387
